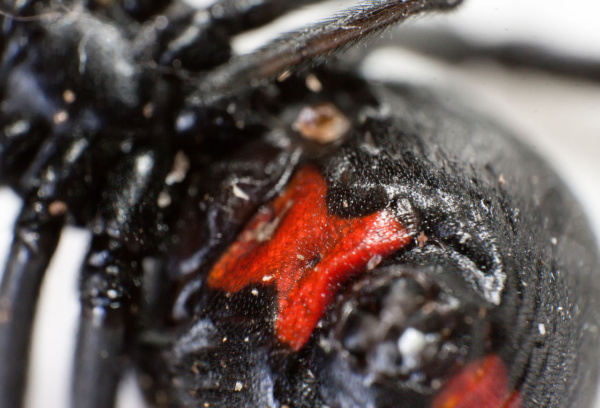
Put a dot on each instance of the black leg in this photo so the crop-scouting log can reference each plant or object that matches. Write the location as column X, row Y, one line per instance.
column 33, row 246
column 451, row 47
column 236, row 16
column 125, row 230
column 327, row 38
column 20, row 138
column 106, row 321
column 56, row 165
column 199, row 39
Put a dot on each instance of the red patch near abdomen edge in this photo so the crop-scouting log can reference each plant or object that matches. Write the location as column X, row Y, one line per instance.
column 295, row 244
column 481, row 384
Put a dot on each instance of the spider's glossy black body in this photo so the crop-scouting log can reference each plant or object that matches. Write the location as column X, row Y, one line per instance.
column 131, row 119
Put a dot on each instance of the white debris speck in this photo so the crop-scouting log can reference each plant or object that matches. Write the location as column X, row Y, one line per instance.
column 313, row 83
column 143, row 164
column 60, row 117
column 542, row 329
column 267, row 278
column 373, row 262
column 185, row 122
column 164, row 199
column 464, row 238
column 181, row 165
column 553, row 240
column 300, row 257
column 239, row 193
column 254, row 292
column 69, row 96
column 17, row 128
column 410, row 345
column 239, row 386
column 285, row 75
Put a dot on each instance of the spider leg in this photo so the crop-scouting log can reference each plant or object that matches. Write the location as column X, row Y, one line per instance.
column 20, row 137
column 294, row 50
column 200, row 39
column 36, row 235
column 32, row 248
column 237, row 16
column 452, row 48
column 124, row 228
column 104, row 324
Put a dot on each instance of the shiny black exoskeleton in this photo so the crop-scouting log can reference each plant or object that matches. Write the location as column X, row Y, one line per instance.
column 133, row 120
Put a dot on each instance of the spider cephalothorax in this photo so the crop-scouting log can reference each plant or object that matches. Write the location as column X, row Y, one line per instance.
column 269, row 233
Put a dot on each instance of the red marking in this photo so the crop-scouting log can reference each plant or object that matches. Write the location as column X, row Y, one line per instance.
column 307, row 253
column 481, row 384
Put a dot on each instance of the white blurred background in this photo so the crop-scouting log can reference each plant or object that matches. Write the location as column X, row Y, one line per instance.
column 559, row 117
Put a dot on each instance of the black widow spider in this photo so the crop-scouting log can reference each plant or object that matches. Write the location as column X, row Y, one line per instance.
column 170, row 151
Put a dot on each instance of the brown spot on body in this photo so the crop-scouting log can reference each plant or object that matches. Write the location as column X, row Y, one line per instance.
column 322, row 123
column 69, row 96
column 57, row 208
